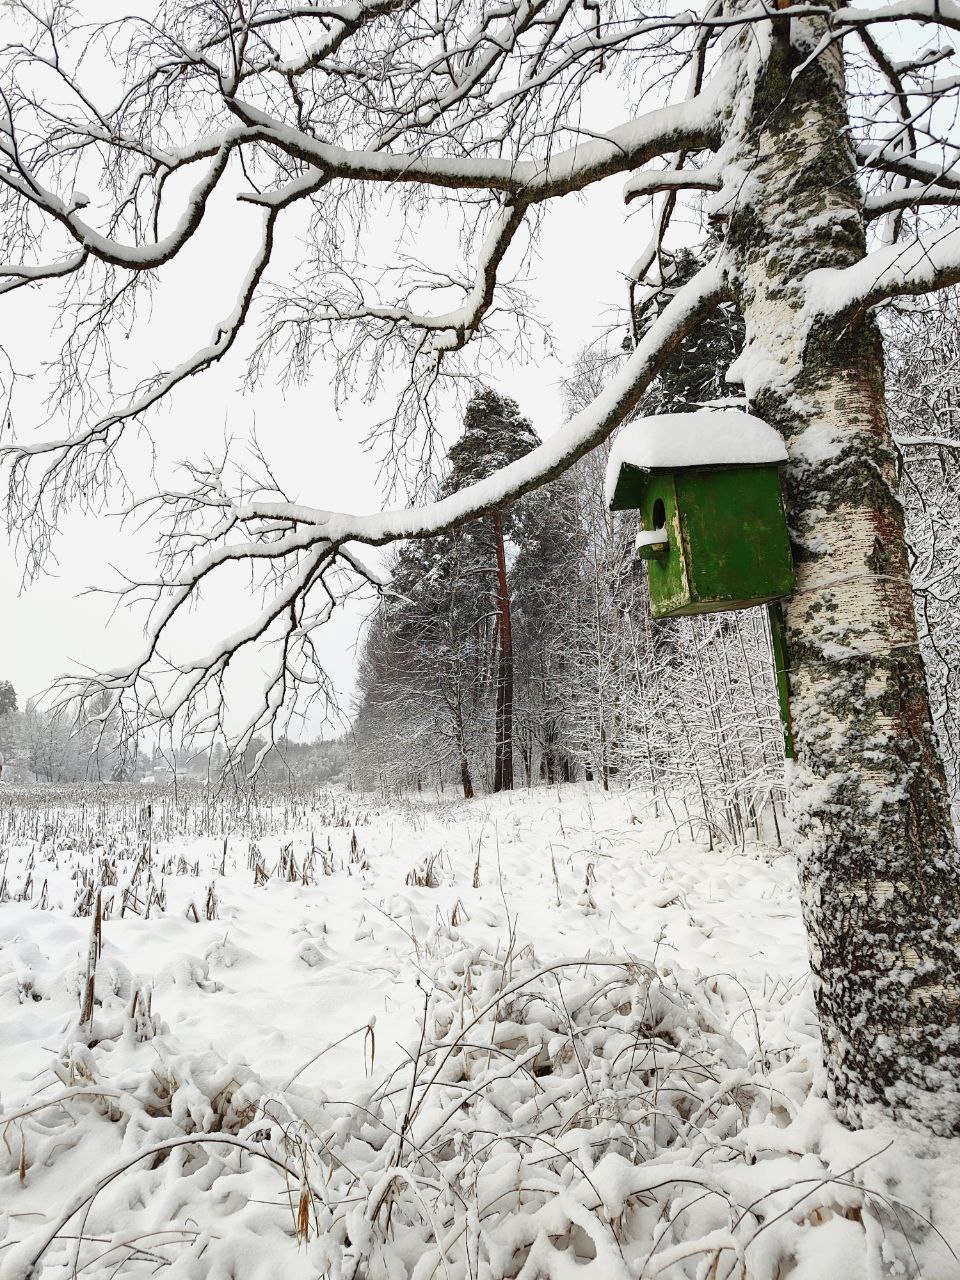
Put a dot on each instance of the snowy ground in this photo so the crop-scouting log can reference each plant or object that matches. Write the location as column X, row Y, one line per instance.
column 388, row 1072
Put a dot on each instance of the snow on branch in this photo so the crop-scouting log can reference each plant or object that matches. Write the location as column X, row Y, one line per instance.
column 449, row 330
column 881, row 202
column 945, row 13
column 74, row 464
column 305, row 562
column 904, row 165
column 584, row 431
column 137, row 150
column 690, row 125
column 16, row 277
column 134, row 257
column 921, row 265
column 646, row 184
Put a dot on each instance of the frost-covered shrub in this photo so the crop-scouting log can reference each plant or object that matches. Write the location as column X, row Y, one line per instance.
column 597, row 1118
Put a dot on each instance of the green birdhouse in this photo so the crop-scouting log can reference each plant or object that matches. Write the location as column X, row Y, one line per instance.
column 707, row 487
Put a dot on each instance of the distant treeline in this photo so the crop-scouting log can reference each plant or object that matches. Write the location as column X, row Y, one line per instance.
column 38, row 746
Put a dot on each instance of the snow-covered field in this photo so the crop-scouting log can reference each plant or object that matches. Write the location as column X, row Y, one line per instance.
column 543, row 1036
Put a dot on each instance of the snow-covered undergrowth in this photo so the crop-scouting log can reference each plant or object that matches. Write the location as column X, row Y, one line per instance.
column 539, row 1036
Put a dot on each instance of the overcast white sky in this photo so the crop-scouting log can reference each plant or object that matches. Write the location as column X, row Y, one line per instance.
column 585, row 247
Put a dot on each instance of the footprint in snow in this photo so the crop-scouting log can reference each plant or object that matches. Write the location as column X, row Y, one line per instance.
column 30, row 968
column 311, row 954
column 187, row 971
column 310, row 944
column 227, row 954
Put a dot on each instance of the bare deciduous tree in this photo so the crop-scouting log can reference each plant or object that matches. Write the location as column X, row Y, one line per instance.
column 807, row 126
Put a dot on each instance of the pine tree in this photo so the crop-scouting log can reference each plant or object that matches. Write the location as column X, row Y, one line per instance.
column 546, row 589
column 442, row 638
column 8, row 697
column 694, row 374
column 495, row 434
column 417, row 670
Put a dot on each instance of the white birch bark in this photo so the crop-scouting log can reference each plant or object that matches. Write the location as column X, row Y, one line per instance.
column 879, row 866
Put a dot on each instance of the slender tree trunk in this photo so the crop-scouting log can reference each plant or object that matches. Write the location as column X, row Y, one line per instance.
column 453, row 698
column 880, row 874
column 465, row 780
column 458, row 728
column 503, row 763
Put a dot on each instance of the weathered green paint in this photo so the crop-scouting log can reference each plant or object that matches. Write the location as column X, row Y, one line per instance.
column 778, row 637
column 728, row 542
column 666, row 569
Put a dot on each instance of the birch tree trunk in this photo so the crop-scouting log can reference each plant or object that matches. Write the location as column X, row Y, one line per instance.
column 879, row 867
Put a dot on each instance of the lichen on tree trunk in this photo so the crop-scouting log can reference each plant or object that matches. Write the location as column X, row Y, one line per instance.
column 879, row 869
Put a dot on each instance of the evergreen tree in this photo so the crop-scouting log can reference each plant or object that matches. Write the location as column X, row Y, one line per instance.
column 8, row 697
column 545, row 580
column 695, row 373
column 421, row 672
column 441, row 642
column 495, row 434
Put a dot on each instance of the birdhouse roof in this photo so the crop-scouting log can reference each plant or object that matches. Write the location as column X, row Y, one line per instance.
column 703, row 438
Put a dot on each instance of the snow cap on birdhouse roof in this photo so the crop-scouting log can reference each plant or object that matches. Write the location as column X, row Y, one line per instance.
column 703, row 438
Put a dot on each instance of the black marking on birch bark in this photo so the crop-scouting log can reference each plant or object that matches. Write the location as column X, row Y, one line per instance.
column 880, row 874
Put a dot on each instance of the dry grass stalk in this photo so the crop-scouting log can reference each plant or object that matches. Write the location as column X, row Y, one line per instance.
column 93, row 954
